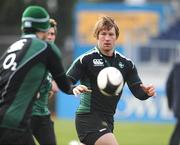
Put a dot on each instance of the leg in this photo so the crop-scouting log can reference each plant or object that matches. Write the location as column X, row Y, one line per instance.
column 44, row 132
column 175, row 138
column 107, row 139
column 100, row 138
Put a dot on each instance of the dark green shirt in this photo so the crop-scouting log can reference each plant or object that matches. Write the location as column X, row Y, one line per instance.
column 40, row 107
column 23, row 68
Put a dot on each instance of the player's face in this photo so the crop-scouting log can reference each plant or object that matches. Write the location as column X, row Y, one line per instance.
column 106, row 41
column 51, row 35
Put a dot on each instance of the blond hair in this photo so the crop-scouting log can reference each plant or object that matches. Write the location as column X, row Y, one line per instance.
column 105, row 22
column 53, row 24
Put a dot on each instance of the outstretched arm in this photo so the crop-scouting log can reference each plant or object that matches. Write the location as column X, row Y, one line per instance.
column 143, row 92
column 149, row 89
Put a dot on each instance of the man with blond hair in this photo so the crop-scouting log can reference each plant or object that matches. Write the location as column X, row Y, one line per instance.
column 94, row 116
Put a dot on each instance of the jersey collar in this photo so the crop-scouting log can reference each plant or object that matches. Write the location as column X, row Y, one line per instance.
column 99, row 52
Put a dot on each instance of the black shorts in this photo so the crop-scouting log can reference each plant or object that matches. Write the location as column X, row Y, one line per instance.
column 43, row 129
column 16, row 137
column 91, row 126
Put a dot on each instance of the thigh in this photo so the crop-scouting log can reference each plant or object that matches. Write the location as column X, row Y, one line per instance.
column 92, row 126
column 44, row 132
column 15, row 137
column 107, row 139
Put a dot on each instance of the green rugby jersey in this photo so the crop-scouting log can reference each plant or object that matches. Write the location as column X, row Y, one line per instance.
column 23, row 67
column 40, row 107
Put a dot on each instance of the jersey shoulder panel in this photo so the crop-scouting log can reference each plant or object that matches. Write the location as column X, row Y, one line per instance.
column 125, row 60
column 85, row 57
column 36, row 47
column 38, row 43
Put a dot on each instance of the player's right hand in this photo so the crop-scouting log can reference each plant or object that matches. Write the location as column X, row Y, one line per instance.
column 80, row 89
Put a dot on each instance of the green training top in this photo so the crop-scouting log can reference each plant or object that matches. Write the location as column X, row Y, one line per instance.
column 40, row 107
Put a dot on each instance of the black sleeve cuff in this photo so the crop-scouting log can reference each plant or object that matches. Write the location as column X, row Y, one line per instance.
column 138, row 92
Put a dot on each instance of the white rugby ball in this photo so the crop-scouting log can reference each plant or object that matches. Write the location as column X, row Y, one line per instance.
column 110, row 81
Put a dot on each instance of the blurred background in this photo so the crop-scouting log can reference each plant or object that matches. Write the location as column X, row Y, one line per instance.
column 149, row 35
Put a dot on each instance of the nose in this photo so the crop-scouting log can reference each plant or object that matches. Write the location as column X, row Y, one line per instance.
column 107, row 37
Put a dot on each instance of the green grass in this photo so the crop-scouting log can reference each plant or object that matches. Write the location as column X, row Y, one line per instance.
column 126, row 133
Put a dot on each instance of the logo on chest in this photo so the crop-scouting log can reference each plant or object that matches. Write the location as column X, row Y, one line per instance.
column 121, row 65
column 98, row 62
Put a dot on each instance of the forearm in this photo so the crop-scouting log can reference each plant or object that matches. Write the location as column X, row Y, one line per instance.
column 64, row 84
column 138, row 92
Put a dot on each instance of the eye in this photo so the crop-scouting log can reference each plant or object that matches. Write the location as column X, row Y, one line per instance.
column 51, row 33
column 111, row 34
column 103, row 33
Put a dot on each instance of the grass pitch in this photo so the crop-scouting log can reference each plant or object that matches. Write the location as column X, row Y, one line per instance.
column 126, row 133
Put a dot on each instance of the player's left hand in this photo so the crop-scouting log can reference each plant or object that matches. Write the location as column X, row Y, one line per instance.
column 54, row 90
column 149, row 89
column 80, row 89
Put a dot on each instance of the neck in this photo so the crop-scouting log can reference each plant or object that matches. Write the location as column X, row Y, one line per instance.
column 40, row 35
column 108, row 52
